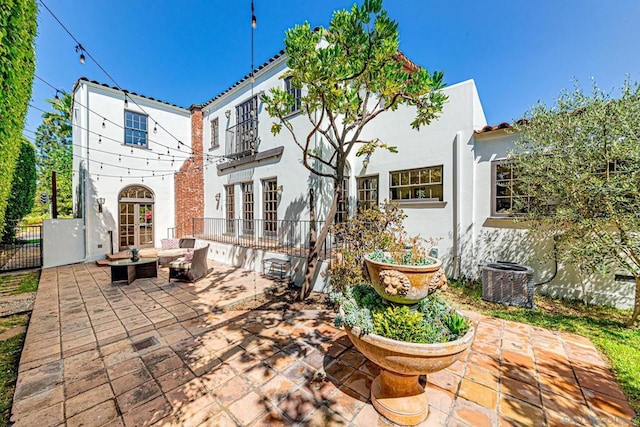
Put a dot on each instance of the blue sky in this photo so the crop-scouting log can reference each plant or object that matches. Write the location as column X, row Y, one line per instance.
column 186, row 52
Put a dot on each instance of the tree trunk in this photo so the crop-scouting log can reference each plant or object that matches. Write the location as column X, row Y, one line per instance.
column 636, row 305
column 314, row 251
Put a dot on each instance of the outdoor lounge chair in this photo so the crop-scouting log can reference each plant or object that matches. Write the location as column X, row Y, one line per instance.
column 174, row 248
column 192, row 269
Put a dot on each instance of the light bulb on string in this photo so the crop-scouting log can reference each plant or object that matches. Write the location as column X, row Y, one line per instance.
column 132, row 150
column 99, row 139
column 104, row 123
column 119, row 158
column 100, row 165
column 155, row 127
column 128, row 171
column 57, row 97
column 80, row 49
column 120, row 179
column 147, row 162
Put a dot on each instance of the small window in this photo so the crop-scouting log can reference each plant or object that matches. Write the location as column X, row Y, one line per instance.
column 342, row 211
column 270, row 207
column 295, row 92
column 424, row 184
column 135, row 129
column 230, row 209
column 247, row 208
column 508, row 196
column 215, row 139
column 367, row 192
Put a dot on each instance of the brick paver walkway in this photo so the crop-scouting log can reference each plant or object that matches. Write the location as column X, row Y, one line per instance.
column 158, row 354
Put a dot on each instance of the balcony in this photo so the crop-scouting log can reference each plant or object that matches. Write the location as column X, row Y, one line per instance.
column 242, row 139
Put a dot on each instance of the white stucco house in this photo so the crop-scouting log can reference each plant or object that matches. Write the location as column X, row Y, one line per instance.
column 215, row 170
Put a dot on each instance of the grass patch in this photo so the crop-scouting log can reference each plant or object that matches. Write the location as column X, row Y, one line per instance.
column 9, row 358
column 13, row 284
column 605, row 327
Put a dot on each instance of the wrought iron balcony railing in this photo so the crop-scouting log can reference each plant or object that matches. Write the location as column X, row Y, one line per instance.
column 242, row 139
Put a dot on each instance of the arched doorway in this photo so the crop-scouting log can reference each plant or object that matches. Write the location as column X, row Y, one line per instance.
column 135, row 217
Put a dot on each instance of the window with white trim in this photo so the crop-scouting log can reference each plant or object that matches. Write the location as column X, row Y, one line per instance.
column 135, row 129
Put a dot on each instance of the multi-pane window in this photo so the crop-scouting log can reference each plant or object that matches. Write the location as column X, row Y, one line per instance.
column 230, row 209
column 342, row 212
column 509, row 197
column 215, row 138
column 247, row 208
column 135, row 129
column 295, row 92
column 246, row 126
column 367, row 192
column 270, row 206
column 423, row 184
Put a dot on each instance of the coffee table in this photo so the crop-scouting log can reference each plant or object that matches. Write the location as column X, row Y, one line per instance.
column 125, row 271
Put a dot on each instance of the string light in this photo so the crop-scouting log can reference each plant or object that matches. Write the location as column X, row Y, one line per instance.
column 126, row 103
column 104, row 123
column 99, row 139
column 57, row 97
column 80, row 49
column 254, row 21
column 155, row 127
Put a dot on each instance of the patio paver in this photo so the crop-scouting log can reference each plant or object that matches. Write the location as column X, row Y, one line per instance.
column 193, row 364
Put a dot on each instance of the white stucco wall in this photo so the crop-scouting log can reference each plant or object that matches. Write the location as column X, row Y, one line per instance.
column 62, row 242
column 502, row 239
column 112, row 165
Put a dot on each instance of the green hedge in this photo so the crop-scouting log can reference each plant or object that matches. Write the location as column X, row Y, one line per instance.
column 23, row 189
column 17, row 65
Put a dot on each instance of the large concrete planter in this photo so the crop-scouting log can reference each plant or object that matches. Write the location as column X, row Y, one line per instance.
column 396, row 393
column 405, row 284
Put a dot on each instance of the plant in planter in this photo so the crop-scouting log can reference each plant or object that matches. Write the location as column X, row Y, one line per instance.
column 399, row 323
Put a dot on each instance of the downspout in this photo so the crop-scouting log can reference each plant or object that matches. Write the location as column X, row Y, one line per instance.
column 457, row 202
column 85, row 175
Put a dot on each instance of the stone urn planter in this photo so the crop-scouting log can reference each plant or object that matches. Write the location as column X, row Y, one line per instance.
column 396, row 392
column 405, row 284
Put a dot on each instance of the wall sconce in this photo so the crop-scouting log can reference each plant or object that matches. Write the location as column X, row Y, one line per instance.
column 365, row 161
column 100, row 203
column 279, row 189
column 217, row 197
column 227, row 114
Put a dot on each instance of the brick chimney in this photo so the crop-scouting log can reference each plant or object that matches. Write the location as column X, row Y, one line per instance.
column 189, row 182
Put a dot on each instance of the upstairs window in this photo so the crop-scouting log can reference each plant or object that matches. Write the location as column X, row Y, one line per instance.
column 246, row 129
column 295, row 92
column 135, row 129
column 423, row 184
column 215, row 138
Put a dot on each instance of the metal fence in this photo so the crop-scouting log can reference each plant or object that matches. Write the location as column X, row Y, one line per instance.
column 284, row 236
column 22, row 251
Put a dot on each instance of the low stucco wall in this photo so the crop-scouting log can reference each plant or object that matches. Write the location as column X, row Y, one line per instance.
column 62, row 242
column 252, row 259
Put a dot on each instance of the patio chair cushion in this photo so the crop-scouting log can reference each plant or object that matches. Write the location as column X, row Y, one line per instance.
column 188, row 256
column 180, row 264
column 169, row 244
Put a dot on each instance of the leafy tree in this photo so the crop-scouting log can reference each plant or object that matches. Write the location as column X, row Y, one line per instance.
column 54, row 153
column 17, row 65
column 351, row 72
column 23, row 189
column 581, row 168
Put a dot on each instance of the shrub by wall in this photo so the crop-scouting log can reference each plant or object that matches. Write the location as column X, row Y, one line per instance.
column 17, row 65
column 23, row 189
